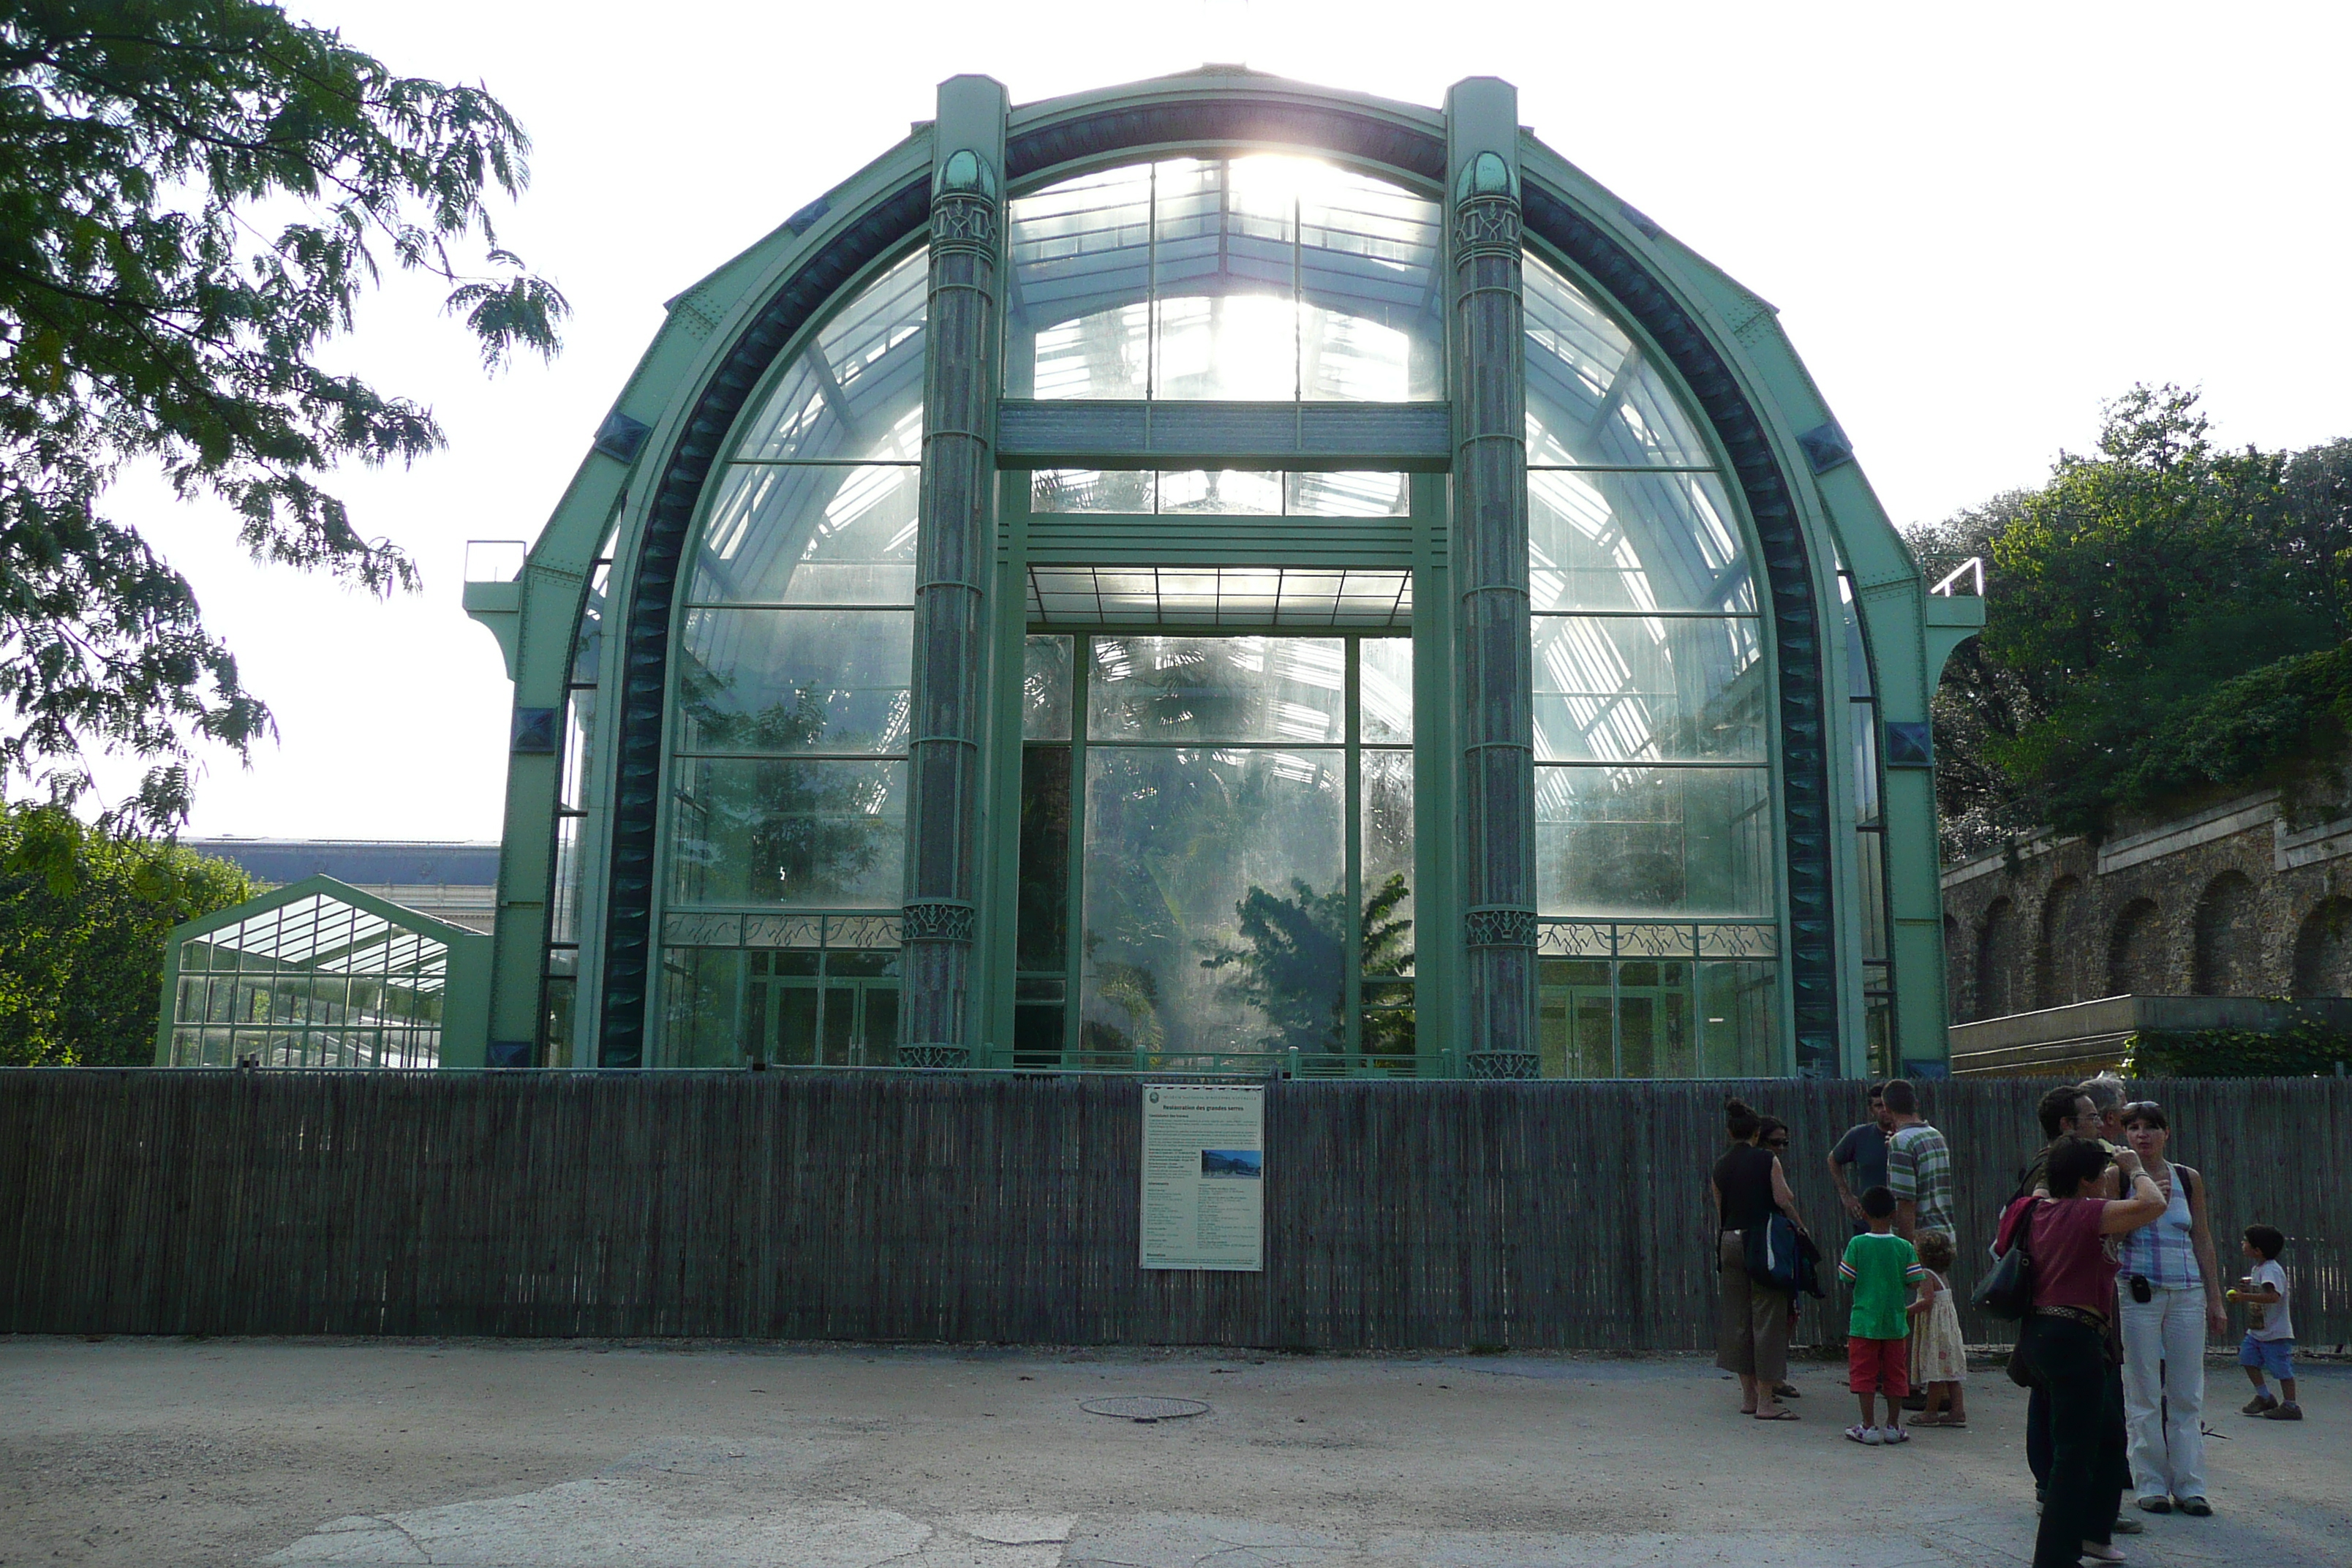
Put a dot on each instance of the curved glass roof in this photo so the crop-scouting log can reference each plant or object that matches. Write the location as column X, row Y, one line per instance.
column 1261, row 278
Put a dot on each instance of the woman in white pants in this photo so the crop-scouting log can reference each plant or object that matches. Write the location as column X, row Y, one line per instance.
column 2169, row 1298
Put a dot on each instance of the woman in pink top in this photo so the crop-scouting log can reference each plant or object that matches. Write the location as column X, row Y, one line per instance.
column 2066, row 1346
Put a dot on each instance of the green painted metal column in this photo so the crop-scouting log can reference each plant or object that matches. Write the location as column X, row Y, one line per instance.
column 954, row 559
column 1494, row 680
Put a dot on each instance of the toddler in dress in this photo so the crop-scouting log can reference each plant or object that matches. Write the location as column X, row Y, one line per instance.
column 1939, row 1359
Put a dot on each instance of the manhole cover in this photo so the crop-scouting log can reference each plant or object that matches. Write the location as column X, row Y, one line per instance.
column 1145, row 1407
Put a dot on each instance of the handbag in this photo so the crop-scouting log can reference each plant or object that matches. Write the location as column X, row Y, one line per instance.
column 2007, row 1290
column 1771, row 1250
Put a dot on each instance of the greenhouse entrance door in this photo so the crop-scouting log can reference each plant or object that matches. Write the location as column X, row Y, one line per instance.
column 830, row 1009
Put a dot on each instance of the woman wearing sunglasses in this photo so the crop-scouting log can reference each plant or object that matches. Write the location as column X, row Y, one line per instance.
column 2168, row 1291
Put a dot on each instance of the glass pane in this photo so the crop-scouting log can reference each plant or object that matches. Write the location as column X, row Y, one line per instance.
column 879, row 1029
column 579, row 739
column 1385, row 813
column 1370, row 323
column 1348, row 493
column 1862, row 717
column 1064, row 490
column 1653, row 1020
column 1385, row 688
column 787, row 1014
column 837, row 1028
column 1739, row 1020
column 563, row 917
column 1215, row 688
column 1644, row 688
column 1045, row 688
column 1857, row 652
column 794, row 680
column 1870, row 873
column 1653, row 841
column 799, row 834
column 588, row 642
column 1878, row 1025
column 1636, row 542
column 1276, row 277
column 1042, row 928
column 1232, row 492
column 1592, row 396
column 1574, row 1026
column 1224, row 317
column 1076, row 311
column 858, row 392
column 700, row 987
column 1216, row 913
column 811, row 536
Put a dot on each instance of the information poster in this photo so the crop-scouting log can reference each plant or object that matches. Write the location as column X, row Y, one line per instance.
column 1203, row 1176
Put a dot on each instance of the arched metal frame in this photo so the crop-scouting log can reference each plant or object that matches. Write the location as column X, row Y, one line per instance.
column 1090, row 136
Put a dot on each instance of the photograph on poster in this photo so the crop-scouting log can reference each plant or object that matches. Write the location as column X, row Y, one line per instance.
column 1248, row 1165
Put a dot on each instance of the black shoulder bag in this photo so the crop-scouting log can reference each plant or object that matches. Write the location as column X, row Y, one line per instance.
column 2007, row 1290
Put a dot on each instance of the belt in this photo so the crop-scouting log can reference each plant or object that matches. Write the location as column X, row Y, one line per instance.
column 2083, row 1315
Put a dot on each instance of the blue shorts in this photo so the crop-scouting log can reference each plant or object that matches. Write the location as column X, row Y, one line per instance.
column 2276, row 1357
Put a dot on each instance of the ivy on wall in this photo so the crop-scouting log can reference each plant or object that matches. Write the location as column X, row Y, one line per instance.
column 2304, row 1048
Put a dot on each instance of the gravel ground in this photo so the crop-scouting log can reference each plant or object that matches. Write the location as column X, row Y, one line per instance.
column 298, row 1452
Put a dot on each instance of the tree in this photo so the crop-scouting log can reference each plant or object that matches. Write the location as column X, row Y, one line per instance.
column 83, row 918
column 1290, row 962
column 147, row 317
column 2162, row 617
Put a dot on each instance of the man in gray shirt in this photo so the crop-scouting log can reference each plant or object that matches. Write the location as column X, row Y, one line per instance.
column 1864, row 1147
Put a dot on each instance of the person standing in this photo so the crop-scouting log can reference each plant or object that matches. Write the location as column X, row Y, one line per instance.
column 1881, row 1269
column 2063, row 1342
column 1863, row 1148
column 1919, row 1166
column 2061, row 1111
column 2270, row 1332
column 2172, row 1300
column 1748, row 1187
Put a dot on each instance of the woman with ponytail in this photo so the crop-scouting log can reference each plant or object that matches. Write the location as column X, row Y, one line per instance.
column 1749, row 1187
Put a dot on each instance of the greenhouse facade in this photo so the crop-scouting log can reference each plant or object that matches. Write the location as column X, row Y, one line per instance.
column 1221, row 575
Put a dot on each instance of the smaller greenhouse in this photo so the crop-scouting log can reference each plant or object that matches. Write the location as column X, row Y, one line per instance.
column 320, row 974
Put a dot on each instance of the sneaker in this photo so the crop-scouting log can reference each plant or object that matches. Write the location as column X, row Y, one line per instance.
column 1867, row 1436
column 2196, row 1507
column 2160, row 1503
column 2261, row 1404
column 1893, row 1434
column 2290, row 1411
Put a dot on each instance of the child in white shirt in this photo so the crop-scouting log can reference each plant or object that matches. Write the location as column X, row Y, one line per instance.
column 2270, row 1331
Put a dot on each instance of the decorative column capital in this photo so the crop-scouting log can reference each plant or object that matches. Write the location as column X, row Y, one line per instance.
column 1494, row 927
column 937, row 920
column 1486, row 225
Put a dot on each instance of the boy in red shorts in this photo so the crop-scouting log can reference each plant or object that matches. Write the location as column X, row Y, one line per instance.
column 1882, row 1268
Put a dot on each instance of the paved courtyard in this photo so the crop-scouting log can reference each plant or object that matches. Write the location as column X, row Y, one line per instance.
column 295, row 1453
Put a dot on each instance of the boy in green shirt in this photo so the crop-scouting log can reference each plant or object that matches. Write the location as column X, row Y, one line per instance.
column 1882, row 1268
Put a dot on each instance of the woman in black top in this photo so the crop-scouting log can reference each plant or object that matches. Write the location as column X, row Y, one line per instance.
column 1752, row 1334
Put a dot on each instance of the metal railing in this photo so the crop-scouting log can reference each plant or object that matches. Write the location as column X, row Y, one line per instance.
column 1973, row 568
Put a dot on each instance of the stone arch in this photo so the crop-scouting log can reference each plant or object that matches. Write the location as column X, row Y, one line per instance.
column 2226, row 953
column 1996, row 961
column 2322, row 949
column 2058, row 950
column 2136, row 951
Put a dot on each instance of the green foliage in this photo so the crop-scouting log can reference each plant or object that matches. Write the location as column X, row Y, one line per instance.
column 2162, row 617
column 147, row 316
column 1291, row 960
column 84, row 915
column 2302, row 1049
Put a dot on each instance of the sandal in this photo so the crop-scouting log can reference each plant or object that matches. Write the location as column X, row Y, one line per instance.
column 1779, row 1415
column 1787, row 1390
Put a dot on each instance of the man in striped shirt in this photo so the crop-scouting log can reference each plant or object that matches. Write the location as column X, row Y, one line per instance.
column 1918, row 1167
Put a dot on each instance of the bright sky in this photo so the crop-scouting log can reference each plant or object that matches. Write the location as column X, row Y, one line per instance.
column 1978, row 222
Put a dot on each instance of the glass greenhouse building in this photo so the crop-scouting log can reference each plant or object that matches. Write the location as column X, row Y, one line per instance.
column 1221, row 575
